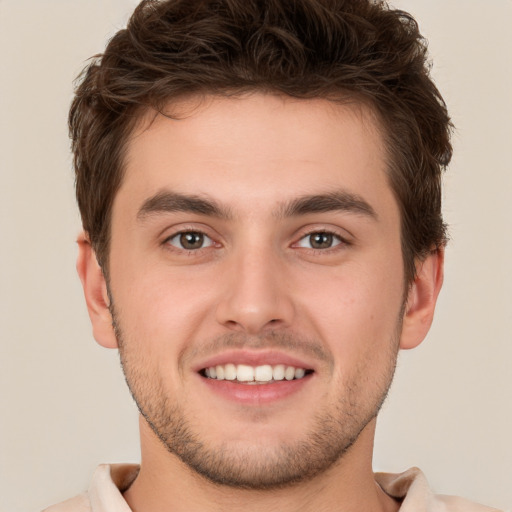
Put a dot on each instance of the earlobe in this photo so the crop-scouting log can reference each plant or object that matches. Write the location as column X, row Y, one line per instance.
column 95, row 292
column 421, row 300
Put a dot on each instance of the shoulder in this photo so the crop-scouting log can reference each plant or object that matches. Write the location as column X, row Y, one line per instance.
column 105, row 491
column 456, row 504
column 79, row 503
column 412, row 490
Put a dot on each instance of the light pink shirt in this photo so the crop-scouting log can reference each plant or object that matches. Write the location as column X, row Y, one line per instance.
column 411, row 488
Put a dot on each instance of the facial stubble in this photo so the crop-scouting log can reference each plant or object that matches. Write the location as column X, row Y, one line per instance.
column 334, row 430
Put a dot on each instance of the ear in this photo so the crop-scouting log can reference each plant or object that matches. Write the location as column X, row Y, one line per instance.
column 421, row 299
column 95, row 291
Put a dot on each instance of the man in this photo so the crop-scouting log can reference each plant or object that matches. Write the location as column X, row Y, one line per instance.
column 259, row 185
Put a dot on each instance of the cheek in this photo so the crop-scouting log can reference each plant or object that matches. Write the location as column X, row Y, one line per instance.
column 158, row 319
column 354, row 310
column 360, row 324
column 162, row 309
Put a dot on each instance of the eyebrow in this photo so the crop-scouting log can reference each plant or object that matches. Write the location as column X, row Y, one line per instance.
column 167, row 202
column 333, row 201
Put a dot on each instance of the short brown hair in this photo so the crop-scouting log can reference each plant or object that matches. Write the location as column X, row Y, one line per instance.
column 300, row 48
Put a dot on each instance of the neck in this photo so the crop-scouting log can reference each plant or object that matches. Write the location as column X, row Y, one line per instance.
column 165, row 483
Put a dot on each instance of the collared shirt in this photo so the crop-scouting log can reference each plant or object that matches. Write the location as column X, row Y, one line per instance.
column 410, row 488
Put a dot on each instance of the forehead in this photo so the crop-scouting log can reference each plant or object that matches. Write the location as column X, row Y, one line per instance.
column 258, row 147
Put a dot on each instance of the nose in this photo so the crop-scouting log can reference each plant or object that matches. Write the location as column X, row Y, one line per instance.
column 256, row 295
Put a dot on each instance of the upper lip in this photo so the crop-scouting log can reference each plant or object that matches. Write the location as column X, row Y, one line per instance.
column 253, row 358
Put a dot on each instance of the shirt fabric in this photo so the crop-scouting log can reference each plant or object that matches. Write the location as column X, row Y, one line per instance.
column 410, row 488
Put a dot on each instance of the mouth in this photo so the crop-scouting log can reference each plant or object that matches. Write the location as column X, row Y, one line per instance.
column 255, row 375
column 255, row 378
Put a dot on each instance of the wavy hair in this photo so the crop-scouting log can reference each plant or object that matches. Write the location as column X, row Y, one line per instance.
column 331, row 49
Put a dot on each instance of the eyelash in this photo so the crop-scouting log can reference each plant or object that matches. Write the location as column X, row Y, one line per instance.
column 340, row 241
column 168, row 240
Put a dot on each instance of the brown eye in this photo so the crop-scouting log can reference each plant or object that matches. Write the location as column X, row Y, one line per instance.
column 190, row 240
column 320, row 240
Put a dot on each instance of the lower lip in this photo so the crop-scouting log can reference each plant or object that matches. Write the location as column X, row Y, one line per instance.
column 256, row 394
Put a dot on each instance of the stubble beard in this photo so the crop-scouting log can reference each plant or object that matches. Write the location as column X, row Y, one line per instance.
column 334, row 429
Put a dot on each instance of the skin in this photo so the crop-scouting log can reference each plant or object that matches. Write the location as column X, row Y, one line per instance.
column 256, row 289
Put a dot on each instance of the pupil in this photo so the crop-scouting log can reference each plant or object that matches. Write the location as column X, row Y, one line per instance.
column 191, row 240
column 321, row 240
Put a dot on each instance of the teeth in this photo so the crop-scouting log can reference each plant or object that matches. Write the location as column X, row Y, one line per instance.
column 246, row 373
column 299, row 373
column 230, row 372
column 263, row 373
column 289, row 373
column 278, row 372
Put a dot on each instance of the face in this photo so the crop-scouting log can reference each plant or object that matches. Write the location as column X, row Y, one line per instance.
column 257, row 283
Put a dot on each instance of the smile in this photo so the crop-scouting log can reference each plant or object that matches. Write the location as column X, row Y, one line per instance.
column 263, row 374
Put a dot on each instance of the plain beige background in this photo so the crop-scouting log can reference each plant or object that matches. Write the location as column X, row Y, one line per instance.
column 63, row 403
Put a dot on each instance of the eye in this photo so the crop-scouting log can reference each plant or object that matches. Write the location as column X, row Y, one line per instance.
column 190, row 240
column 319, row 240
